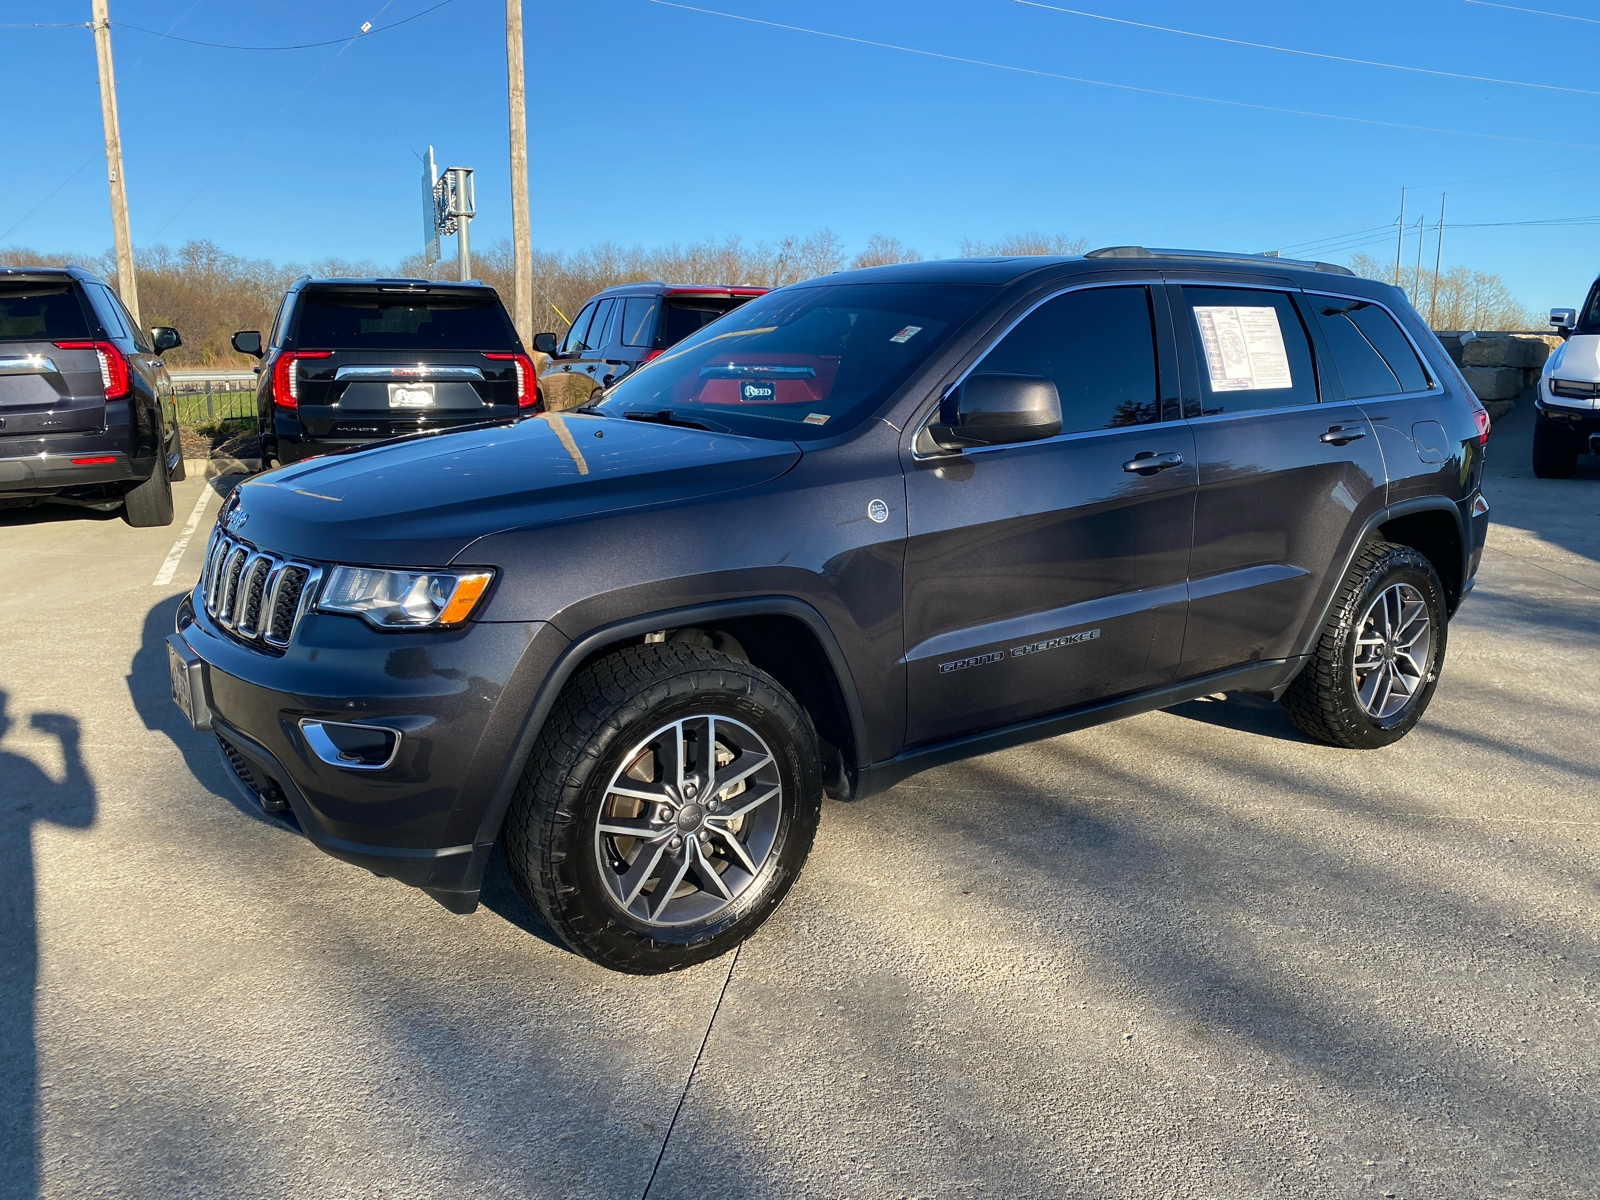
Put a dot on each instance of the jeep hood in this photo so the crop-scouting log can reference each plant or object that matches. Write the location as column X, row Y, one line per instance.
column 420, row 501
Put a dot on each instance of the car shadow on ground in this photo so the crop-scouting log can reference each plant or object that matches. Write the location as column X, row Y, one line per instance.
column 28, row 795
column 51, row 514
column 1246, row 714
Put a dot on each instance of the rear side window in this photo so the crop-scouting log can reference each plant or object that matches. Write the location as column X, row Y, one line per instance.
column 1099, row 349
column 691, row 314
column 106, row 309
column 639, row 320
column 574, row 339
column 599, row 335
column 363, row 320
column 1373, row 356
column 43, row 312
column 1252, row 349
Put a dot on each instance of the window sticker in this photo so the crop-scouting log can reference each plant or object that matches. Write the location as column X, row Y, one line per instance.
column 1244, row 348
column 817, row 418
column 906, row 334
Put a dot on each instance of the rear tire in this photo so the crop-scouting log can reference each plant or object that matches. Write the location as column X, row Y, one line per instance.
column 1378, row 660
column 641, row 848
column 149, row 505
column 1555, row 454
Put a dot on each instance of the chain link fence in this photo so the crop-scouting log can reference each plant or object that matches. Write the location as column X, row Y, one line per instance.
column 216, row 400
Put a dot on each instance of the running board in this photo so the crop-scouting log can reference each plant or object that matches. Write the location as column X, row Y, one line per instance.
column 1271, row 676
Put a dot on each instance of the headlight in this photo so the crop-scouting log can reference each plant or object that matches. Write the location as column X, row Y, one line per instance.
column 404, row 599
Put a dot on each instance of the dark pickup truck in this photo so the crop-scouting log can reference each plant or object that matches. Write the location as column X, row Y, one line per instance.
column 87, row 411
column 859, row 527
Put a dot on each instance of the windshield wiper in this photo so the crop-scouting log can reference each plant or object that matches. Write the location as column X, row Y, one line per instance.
column 665, row 417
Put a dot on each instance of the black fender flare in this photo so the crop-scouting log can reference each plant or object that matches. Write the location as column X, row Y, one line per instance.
column 567, row 663
column 1373, row 523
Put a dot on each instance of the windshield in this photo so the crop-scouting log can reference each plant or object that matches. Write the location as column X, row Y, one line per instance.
column 803, row 363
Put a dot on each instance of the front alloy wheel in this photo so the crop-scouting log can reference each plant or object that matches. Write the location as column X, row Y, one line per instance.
column 667, row 807
column 689, row 820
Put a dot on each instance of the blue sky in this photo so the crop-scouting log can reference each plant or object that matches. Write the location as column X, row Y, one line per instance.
column 653, row 123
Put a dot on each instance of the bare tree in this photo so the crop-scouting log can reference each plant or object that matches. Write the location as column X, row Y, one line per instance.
column 882, row 251
column 1467, row 299
column 1023, row 244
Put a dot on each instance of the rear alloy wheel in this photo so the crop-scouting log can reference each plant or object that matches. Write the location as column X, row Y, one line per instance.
column 1377, row 663
column 148, row 505
column 1555, row 451
column 667, row 808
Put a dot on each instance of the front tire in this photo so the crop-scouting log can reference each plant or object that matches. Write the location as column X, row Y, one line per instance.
column 667, row 808
column 1378, row 660
column 1555, row 453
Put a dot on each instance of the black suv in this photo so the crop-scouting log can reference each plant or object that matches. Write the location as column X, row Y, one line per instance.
column 87, row 411
column 863, row 526
column 352, row 361
column 622, row 328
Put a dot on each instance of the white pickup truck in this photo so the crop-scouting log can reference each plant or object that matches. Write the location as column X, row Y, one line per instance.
column 1567, row 416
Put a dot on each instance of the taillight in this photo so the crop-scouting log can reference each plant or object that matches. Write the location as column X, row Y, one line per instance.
column 113, row 366
column 527, row 393
column 286, row 380
column 1483, row 426
column 652, row 354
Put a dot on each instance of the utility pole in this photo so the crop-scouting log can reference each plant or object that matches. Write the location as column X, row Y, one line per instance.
column 127, row 285
column 521, row 232
column 1400, row 243
column 1416, row 281
column 1438, row 258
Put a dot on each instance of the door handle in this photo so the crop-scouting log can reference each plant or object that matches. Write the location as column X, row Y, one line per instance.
column 1148, row 462
column 1341, row 435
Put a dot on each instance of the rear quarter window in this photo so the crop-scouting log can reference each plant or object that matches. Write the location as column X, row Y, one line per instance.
column 639, row 315
column 44, row 312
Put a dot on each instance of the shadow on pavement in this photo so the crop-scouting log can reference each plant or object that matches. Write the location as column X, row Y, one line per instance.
column 1247, row 714
column 28, row 794
column 149, row 686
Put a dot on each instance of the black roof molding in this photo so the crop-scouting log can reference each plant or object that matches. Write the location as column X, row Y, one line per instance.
column 1268, row 259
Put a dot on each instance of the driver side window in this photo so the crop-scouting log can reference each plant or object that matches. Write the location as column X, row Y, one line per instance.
column 573, row 342
column 1098, row 347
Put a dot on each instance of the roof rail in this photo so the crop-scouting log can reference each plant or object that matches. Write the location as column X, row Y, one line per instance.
column 1217, row 256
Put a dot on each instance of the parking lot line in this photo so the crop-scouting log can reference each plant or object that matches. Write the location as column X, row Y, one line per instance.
column 175, row 555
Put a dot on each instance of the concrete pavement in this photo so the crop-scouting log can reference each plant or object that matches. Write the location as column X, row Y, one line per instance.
column 1190, row 954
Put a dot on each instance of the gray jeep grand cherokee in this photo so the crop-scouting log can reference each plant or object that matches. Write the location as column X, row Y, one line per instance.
column 858, row 528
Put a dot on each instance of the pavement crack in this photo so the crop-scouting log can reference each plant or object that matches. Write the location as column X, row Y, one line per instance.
column 689, row 1082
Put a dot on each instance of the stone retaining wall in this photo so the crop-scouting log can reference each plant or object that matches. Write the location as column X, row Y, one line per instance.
column 1498, row 366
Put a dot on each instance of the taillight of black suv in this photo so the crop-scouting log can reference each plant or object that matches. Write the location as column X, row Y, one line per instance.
column 353, row 361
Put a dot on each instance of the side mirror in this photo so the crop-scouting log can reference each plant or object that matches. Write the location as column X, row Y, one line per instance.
column 545, row 343
column 995, row 408
column 1565, row 320
column 248, row 342
column 164, row 338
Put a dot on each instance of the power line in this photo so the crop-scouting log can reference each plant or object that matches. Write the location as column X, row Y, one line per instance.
column 1364, row 62
column 300, row 46
column 1537, row 12
column 1126, row 87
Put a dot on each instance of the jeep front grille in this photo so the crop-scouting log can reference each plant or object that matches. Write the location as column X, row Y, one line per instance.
column 256, row 596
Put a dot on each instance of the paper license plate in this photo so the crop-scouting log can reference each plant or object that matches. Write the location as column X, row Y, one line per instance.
column 411, row 395
column 180, row 685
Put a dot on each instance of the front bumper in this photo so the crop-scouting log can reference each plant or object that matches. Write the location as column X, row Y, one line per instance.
column 1581, row 423
column 458, row 698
